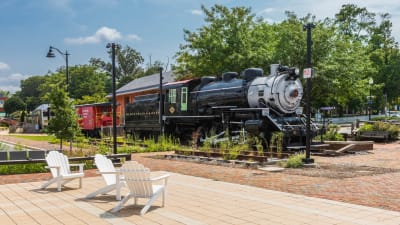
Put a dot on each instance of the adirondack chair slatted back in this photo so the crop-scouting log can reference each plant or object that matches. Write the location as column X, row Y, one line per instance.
column 104, row 164
column 55, row 158
column 137, row 178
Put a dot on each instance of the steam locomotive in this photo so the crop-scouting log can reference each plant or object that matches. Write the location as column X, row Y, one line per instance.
column 248, row 103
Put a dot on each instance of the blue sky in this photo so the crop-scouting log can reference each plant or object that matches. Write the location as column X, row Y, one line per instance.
column 152, row 27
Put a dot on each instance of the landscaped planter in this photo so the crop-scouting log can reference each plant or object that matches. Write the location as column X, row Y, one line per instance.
column 251, row 156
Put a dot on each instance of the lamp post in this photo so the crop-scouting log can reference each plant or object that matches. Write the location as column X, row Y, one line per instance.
column 371, row 82
column 113, row 47
column 65, row 55
column 161, row 106
column 51, row 54
column 308, row 27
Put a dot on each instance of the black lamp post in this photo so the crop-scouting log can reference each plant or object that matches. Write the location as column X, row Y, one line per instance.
column 308, row 27
column 113, row 47
column 65, row 55
column 50, row 54
column 161, row 106
column 371, row 82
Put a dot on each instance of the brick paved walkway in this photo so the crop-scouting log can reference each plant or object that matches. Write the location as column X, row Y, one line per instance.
column 379, row 190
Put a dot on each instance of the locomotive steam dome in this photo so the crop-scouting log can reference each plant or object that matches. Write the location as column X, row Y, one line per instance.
column 280, row 90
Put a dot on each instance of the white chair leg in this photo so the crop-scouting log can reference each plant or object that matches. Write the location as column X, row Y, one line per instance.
column 59, row 184
column 101, row 191
column 149, row 203
column 45, row 185
column 121, row 203
column 163, row 197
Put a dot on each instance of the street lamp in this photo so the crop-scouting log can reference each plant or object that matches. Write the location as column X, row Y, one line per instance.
column 371, row 82
column 65, row 55
column 50, row 54
column 113, row 47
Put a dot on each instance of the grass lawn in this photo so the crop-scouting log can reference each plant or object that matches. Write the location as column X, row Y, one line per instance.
column 36, row 137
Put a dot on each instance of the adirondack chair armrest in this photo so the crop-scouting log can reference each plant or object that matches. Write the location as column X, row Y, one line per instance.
column 163, row 177
column 80, row 166
column 54, row 167
column 108, row 172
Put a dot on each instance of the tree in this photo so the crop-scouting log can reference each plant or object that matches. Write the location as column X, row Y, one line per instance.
column 14, row 104
column 354, row 21
column 224, row 44
column 30, row 93
column 4, row 93
column 86, row 81
column 64, row 124
column 128, row 65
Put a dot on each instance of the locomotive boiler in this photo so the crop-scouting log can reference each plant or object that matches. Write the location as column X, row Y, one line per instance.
column 248, row 103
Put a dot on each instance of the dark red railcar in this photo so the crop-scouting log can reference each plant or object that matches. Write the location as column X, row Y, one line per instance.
column 95, row 117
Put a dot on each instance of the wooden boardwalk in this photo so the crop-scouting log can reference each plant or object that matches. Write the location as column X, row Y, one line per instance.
column 190, row 200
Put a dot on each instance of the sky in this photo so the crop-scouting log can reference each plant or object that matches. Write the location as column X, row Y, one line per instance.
column 152, row 27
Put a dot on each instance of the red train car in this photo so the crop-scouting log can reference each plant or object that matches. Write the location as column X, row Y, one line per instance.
column 94, row 117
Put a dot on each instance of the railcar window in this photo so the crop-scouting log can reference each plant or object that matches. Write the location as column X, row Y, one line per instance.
column 172, row 96
column 184, row 96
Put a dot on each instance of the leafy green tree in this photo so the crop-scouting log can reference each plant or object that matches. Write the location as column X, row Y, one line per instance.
column 4, row 93
column 224, row 44
column 14, row 104
column 128, row 67
column 86, row 81
column 30, row 93
column 354, row 21
column 64, row 124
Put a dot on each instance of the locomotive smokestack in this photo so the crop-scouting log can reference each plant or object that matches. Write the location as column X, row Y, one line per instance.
column 274, row 69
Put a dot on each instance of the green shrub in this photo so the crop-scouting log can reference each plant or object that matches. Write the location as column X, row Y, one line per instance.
column 23, row 168
column 382, row 126
column 295, row 161
column 332, row 133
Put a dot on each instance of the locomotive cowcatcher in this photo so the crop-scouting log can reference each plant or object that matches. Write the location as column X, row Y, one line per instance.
column 250, row 104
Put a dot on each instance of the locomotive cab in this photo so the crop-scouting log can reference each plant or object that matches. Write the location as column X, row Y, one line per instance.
column 177, row 97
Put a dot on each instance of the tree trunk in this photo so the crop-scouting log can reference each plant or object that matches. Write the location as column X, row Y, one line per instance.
column 61, row 144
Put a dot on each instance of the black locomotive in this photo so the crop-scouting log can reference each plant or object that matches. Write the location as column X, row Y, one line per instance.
column 249, row 103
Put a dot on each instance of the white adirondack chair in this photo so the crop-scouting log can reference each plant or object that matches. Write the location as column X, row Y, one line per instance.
column 111, row 176
column 61, row 171
column 140, row 185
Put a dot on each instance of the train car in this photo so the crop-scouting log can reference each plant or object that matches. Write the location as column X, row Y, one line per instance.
column 41, row 116
column 249, row 103
column 94, row 117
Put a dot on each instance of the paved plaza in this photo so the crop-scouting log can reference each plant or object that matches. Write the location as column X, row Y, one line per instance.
column 190, row 200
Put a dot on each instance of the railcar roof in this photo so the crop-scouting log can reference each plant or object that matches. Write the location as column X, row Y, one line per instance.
column 95, row 104
column 144, row 83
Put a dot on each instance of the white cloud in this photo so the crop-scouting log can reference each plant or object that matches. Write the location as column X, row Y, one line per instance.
column 102, row 34
column 196, row 12
column 133, row 37
column 4, row 66
column 11, row 82
column 266, row 11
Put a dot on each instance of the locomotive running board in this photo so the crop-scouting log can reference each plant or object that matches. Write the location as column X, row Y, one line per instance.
column 191, row 117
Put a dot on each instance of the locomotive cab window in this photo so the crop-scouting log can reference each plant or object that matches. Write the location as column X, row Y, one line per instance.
column 172, row 96
column 184, row 96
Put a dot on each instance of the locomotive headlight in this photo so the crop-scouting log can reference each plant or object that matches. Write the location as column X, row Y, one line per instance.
column 296, row 71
